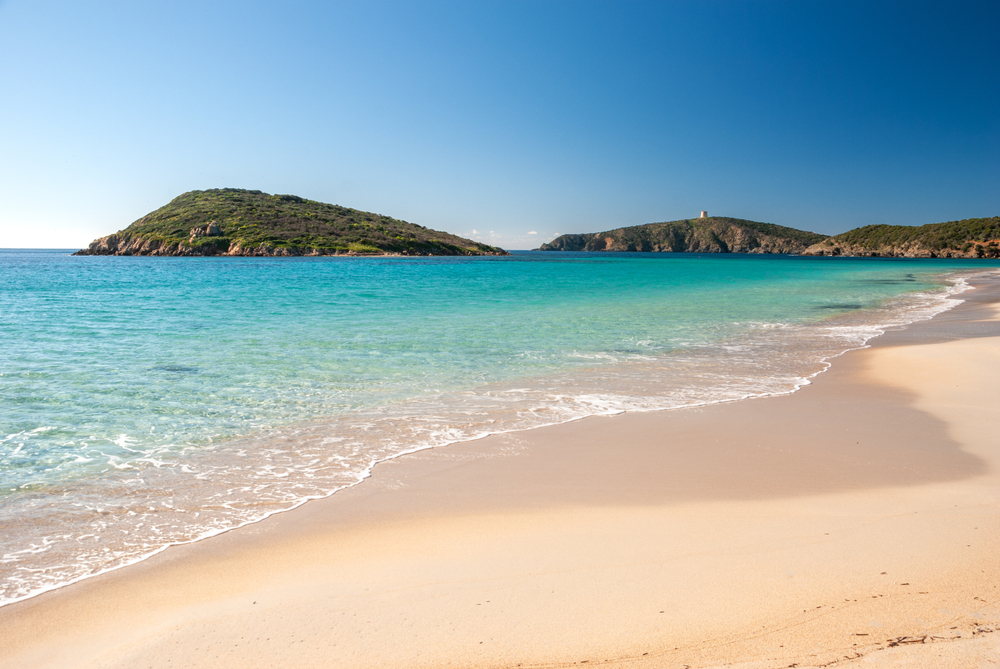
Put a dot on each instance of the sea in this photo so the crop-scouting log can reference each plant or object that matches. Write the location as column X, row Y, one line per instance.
column 149, row 402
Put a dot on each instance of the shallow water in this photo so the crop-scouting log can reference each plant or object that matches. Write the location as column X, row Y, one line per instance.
column 150, row 401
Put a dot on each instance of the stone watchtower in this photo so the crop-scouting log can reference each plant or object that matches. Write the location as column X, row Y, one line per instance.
column 704, row 214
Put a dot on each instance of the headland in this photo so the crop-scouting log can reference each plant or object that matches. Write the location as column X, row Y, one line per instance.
column 968, row 238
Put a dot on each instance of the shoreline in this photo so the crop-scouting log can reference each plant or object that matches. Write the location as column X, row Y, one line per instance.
column 518, row 487
column 958, row 286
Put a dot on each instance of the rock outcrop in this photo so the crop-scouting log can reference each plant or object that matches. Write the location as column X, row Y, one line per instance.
column 990, row 249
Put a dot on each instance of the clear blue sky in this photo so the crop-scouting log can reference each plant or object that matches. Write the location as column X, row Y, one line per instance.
column 499, row 120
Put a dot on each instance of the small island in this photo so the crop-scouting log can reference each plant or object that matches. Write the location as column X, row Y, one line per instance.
column 236, row 222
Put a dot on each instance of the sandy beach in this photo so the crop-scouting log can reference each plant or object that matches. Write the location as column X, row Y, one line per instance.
column 854, row 523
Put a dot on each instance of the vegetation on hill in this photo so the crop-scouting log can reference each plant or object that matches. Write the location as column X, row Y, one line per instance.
column 714, row 234
column 969, row 238
column 231, row 221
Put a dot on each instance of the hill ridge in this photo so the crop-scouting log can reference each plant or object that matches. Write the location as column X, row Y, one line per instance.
column 712, row 234
column 966, row 238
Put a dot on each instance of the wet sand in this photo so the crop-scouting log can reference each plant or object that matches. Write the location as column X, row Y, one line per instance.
column 856, row 521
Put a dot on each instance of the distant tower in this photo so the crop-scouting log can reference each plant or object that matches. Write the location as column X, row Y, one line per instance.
column 704, row 214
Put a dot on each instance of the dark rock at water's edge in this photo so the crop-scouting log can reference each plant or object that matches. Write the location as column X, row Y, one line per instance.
column 235, row 222
column 711, row 234
column 968, row 238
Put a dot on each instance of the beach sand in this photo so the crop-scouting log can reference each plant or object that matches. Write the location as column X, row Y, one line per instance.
column 854, row 523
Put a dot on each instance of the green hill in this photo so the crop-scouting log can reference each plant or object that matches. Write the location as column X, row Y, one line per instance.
column 235, row 222
column 714, row 234
column 969, row 238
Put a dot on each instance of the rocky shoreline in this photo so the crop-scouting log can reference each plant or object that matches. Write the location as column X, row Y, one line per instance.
column 120, row 245
column 971, row 249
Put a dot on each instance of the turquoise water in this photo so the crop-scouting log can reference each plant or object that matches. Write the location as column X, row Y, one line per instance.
column 149, row 401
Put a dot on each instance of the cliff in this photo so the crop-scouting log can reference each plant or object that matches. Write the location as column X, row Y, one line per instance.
column 968, row 238
column 235, row 222
column 715, row 234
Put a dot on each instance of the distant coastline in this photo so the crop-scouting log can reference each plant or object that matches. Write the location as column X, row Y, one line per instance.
column 708, row 234
column 968, row 238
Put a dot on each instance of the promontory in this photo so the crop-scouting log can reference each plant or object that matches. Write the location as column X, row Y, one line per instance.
column 236, row 222
column 709, row 234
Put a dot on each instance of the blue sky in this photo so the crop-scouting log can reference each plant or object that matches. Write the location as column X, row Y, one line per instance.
column 499, row 120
